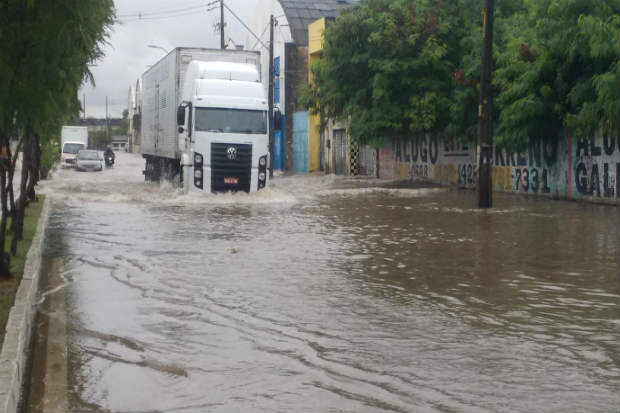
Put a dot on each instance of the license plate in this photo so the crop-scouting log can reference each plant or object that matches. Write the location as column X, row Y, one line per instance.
column 231, row 181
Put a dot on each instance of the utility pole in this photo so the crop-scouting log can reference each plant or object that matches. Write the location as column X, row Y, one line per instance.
column 84, row 105
column 107, row 123
column 270, row 95
column 222, row 45
column 485, row 111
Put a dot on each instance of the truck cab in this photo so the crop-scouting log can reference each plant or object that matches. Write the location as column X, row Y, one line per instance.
column 223, row 128
column 69, row 151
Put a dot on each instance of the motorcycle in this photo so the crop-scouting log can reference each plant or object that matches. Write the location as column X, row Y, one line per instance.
column 109, row 160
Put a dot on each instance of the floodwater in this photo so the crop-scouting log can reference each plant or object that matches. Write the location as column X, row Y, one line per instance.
column 326, row 294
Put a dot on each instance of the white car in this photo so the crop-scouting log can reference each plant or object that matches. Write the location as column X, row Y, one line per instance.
column 87, row 160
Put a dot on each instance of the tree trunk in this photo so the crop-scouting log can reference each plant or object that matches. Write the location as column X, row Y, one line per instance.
column 12, row 166
column 17, row 226
column 35, row 167
column 5, row 271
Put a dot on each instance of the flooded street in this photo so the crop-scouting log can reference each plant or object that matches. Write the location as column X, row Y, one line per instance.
column 322, row 294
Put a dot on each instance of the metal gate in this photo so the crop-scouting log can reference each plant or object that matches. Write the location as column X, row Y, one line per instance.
column 340, row 152
column 366, row 161
column 300, row 141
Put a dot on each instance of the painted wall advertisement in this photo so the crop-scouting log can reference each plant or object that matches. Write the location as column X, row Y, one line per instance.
column 563, row 167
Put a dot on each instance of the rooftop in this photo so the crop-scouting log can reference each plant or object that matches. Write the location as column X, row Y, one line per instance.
column 300, row 13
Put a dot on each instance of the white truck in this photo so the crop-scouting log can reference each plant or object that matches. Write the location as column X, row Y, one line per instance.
column 205, row 120
column 72, row 139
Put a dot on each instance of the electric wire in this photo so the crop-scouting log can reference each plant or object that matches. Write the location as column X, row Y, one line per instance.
column 188, row 13
column 154, row 13
column 261, row 36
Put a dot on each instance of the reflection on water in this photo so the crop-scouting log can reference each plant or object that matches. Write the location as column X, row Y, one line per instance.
column 327, row 294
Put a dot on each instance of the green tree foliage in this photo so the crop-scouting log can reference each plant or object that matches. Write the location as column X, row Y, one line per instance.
column 387, row 67
column 99, row 139
column 463, row 123
column 402, row 67
column 47, row 48
column 558, row 67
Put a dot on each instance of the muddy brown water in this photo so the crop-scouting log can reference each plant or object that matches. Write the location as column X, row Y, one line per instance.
column 328, row 294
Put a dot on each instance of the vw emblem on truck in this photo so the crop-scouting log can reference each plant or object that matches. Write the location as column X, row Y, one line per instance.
column 231, row 153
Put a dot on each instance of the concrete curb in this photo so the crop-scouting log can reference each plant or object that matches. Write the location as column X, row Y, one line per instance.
column 16, row 347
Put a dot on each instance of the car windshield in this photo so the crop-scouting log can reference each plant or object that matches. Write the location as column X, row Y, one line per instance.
column 231, row 120
column 88, row 155
column 72, row 148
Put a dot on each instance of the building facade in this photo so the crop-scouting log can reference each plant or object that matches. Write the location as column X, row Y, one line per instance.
column 296, row 146
column 332, row 149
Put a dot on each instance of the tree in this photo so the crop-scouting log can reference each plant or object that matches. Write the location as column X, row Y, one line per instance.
column 403, row 67
column 559, row 68
column 99, row 139
column 41, row 71
column 387, row 67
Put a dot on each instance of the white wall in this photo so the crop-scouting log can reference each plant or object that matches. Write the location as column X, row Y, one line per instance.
column 258, row 20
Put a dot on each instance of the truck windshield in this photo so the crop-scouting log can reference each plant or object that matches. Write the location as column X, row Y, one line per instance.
column 231, row 120
column 72, row 148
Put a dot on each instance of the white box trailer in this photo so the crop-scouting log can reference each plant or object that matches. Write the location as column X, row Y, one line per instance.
column 162, row 145
column 72, row 139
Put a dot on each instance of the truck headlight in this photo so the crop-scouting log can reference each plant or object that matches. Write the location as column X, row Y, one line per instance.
column 262, row 161
column 198, row 158
column 261, row 176
column 198, row 173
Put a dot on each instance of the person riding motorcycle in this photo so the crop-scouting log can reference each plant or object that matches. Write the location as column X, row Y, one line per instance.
column 109, row 156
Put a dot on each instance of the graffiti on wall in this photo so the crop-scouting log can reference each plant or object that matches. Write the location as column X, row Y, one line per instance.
column 596, row 167
column 561, row 167
column 535, row 170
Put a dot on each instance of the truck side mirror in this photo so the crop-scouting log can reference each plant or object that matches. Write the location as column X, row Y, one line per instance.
column 181, row 114
column 277, row 119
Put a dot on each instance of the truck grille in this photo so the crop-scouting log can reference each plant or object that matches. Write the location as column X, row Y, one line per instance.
column 224, row 169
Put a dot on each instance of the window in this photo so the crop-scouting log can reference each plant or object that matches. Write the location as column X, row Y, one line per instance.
column 231, row 120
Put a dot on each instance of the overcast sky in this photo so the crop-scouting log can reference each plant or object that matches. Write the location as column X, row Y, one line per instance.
column 165, row 23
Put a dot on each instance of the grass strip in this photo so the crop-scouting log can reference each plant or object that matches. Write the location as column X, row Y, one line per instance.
column 8, row 287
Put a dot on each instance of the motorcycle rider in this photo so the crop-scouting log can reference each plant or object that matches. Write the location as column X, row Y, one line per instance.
column 109, row 154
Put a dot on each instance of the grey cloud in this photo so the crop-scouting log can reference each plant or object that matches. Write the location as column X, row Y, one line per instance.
column 127, row 55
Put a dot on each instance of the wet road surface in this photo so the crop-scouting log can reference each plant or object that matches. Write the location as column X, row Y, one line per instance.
column 324, row 294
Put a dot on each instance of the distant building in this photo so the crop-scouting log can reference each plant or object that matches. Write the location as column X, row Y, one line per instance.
column 95, row 124
column 294, row 149
column 135, row 116
column 120, row 143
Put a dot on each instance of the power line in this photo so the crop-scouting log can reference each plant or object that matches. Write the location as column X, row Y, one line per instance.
column 245, row 25
column 152, row 13
column 190, row 13
column 261, row 35
column 166, row 8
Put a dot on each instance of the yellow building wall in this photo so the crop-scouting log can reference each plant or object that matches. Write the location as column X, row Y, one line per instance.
column 315, row 48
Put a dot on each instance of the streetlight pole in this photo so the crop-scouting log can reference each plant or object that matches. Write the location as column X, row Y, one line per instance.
column 222, row 45
column 485, row 111
column 153, row 46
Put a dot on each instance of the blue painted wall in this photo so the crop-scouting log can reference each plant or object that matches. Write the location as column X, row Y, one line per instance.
column 278, row 147
column 300, row 141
